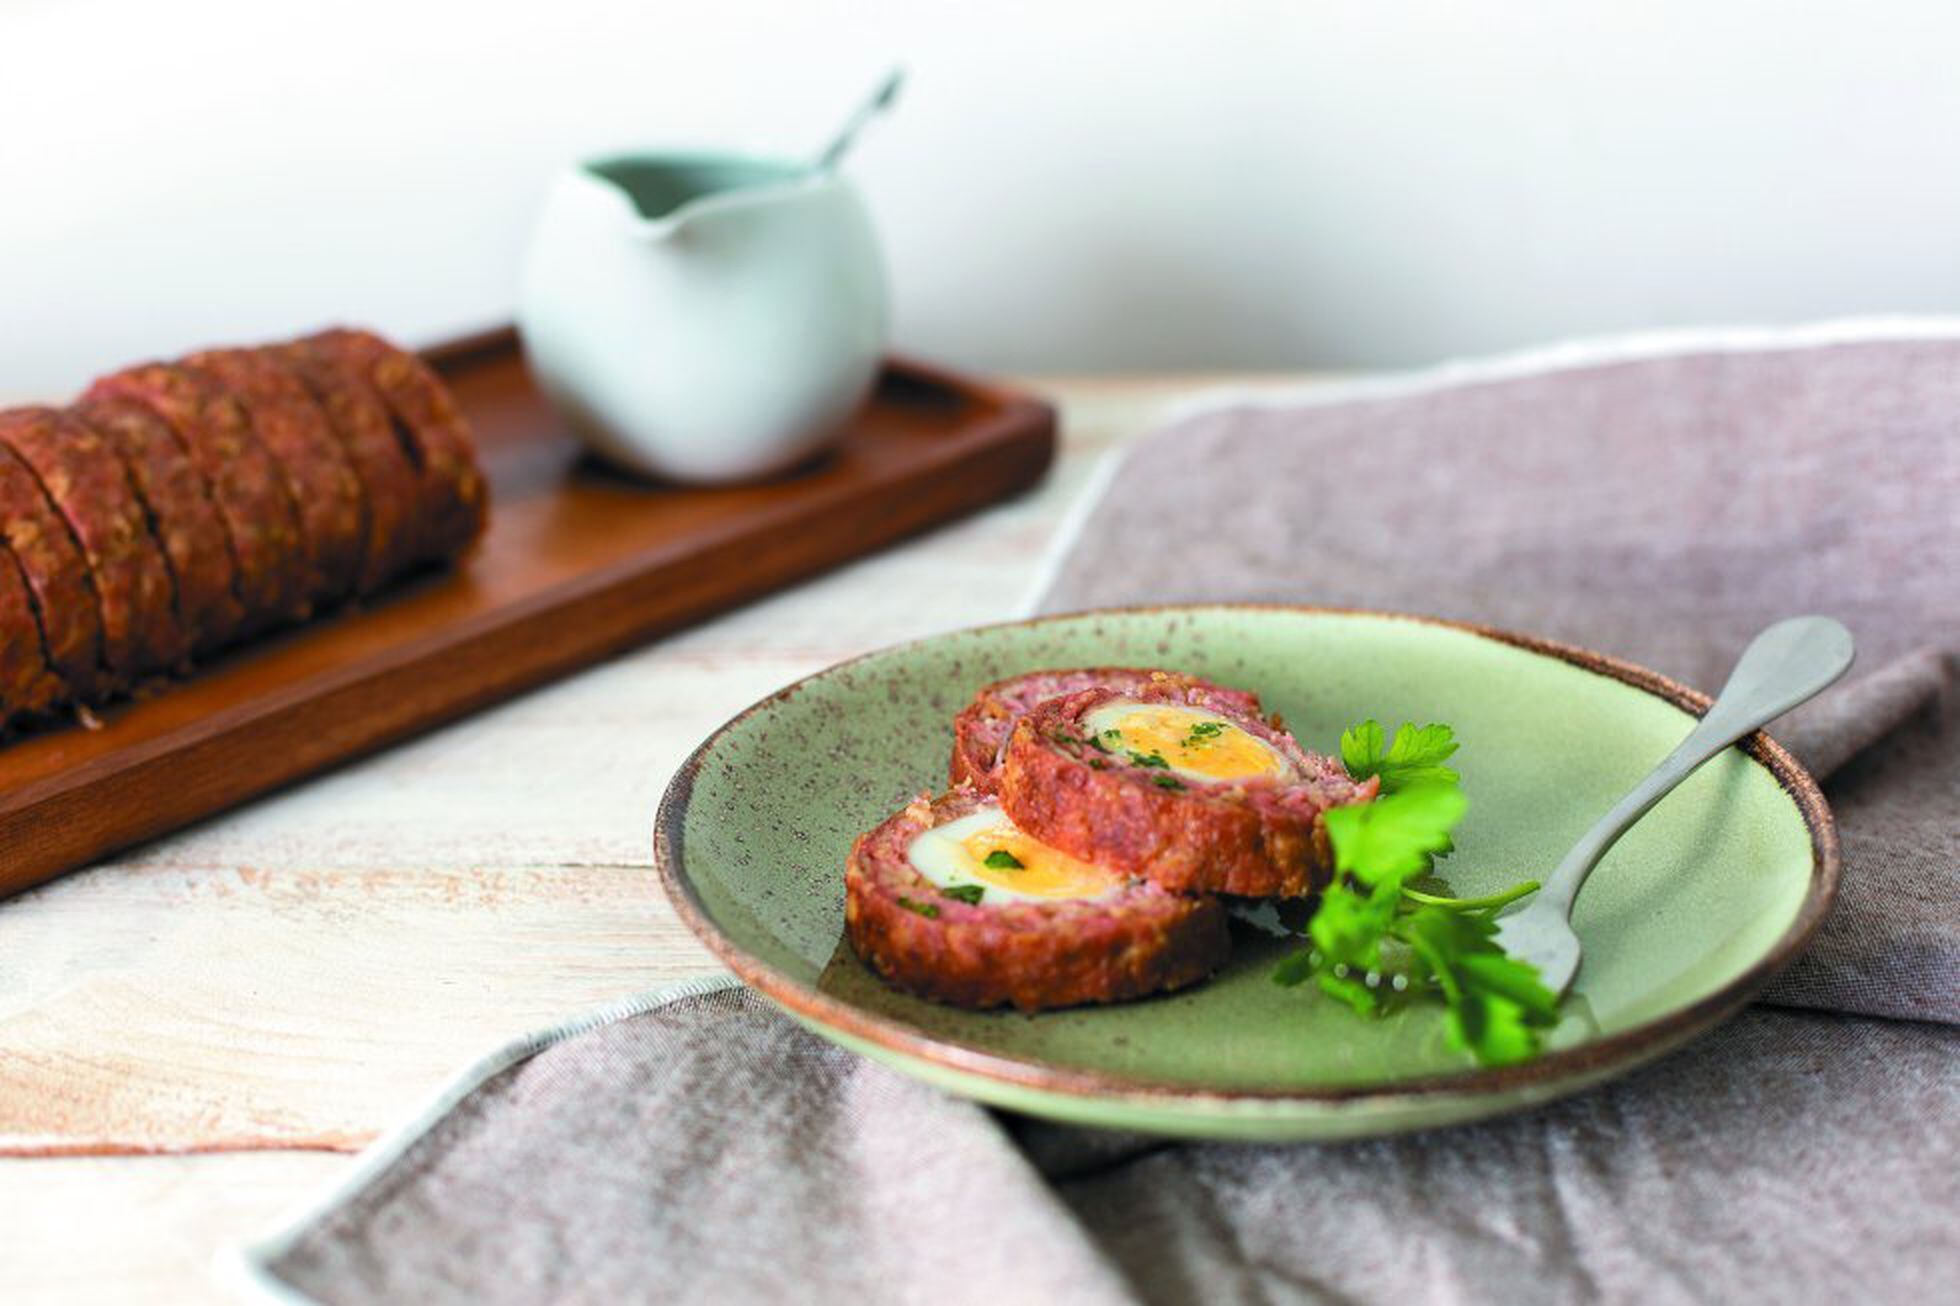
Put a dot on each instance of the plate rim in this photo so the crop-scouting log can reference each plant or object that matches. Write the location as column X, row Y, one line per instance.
column 1585, row 1063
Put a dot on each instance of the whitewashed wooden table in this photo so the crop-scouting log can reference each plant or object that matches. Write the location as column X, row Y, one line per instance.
column 196, row 1037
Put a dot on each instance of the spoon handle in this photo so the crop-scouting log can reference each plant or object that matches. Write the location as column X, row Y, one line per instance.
column 876, row 103
column 1786, row 664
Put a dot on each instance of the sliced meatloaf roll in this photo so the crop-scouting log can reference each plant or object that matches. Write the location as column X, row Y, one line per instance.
column 949, row 900
column 183, row 520
column 454, row 498
column 980, row 731
column 56, row 570
column 27, row 687
column 390, row 484
column 247, row 486
column 89, row 486
column 1178, row 785
column 326, row 495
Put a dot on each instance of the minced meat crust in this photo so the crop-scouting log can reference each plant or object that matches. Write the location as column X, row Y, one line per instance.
column 295, row 431
column 246, row 484
column 1033, row 955
column 390, row 484
column 27, row 688
column 55, row 568
column 980, row 732
column 1260, row 837
column 89, row 486
column 182, row 519
column 454, row 498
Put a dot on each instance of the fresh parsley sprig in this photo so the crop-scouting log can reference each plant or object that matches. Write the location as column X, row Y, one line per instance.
column 1416, row 756
column 1377, row 942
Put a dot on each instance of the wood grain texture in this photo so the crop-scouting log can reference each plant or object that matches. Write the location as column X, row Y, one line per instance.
column 578, row 563
column 296, row 974
column 324, row 962
column 109, row 1232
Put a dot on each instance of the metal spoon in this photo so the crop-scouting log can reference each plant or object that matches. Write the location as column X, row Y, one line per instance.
column 1785, row 665
column 879, row 101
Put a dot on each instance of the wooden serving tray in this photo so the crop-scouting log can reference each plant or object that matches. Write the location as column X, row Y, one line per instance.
column 579, row 562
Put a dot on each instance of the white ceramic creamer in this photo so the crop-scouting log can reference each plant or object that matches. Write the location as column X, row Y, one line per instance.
column 704, row 318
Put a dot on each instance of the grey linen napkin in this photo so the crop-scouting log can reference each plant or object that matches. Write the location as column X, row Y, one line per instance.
column 703, row 1147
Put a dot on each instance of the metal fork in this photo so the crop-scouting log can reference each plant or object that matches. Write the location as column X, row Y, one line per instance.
column 1785, row 665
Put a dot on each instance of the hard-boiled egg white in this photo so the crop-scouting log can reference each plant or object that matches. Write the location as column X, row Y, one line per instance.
column 1191, row 743
column 984, row 848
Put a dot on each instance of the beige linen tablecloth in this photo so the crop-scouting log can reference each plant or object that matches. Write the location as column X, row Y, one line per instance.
column 702, row 1147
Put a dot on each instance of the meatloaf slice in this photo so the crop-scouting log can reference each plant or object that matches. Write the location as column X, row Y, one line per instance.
column 27, row 687
column 390, row 484
column 257, row 509
column 454, row 499
column 90, row 487
column 294, row 430
column 1083, row 935
column 54, row 567
column 1178, row 785
column 177, row 507
column 980, row 731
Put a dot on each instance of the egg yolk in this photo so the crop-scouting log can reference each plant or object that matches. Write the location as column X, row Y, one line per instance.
column 1201, row 745
column 1003, row 857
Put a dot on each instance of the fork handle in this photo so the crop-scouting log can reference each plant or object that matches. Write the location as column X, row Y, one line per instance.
column 1786, row 664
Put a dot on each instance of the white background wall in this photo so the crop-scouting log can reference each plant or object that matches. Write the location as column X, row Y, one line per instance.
column 1105, row 184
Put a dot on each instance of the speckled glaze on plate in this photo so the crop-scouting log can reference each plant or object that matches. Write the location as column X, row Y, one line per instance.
column 1717, row 889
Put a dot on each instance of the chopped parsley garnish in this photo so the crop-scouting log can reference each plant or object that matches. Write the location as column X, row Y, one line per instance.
column 1149, row 759
column 1097, row 764
column 1001, row 860
column 926, row 909
column 1203, row 733
column 1113, row 735
column 970, row 894
column 1166, row 782
column 1376, row 942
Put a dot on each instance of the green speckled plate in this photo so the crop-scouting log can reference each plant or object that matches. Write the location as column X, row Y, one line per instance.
column 1697, row 907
